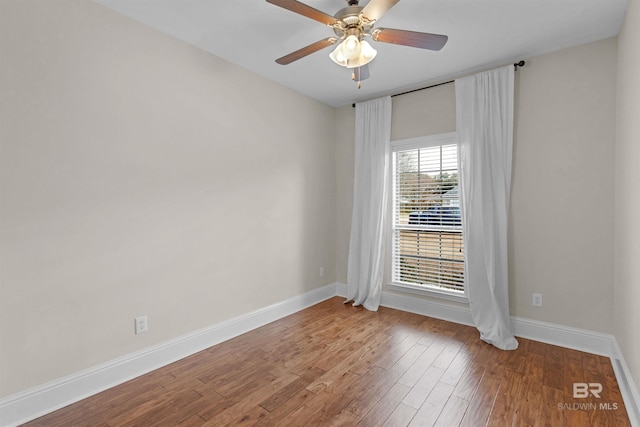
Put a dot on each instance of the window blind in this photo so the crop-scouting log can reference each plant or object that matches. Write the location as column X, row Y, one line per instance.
column 428, row 244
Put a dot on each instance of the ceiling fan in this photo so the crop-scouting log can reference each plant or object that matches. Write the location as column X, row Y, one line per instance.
column 352, row 25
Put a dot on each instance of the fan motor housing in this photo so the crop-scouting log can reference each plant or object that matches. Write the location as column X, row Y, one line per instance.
column 351, row 19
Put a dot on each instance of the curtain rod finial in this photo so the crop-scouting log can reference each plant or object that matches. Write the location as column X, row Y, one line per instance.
column 519, row 64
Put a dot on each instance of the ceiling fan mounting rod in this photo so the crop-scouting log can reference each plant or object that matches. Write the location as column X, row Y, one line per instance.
column 351, row 21
column 353, row 31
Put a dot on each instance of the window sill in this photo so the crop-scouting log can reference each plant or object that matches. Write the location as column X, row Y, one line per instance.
column 431, row 292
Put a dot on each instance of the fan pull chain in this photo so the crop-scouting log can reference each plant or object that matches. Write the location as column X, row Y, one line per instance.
column 353, row 77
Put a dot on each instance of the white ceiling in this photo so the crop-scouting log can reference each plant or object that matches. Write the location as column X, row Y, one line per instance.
column 482, row 34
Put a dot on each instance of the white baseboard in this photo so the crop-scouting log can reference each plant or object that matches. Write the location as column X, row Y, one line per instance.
column 408, row 303
column 30, row 404
column 564, row 336
column 438, row 310
column 628, row 387
column 33, row 403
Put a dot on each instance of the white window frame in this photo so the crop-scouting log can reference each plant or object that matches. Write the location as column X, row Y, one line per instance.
column 409, row 144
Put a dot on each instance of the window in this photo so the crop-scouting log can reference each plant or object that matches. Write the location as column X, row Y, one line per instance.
column 428, row 243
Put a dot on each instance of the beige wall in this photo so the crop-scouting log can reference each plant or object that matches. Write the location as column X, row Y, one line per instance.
column 344, row 156
column 426, row 112
column 142, row 176
column 627, row 192
column 561, row 228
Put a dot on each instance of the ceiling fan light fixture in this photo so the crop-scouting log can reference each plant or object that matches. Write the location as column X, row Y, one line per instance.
column 351, row 47
column 337, row 56
column 352, row 53
column 367, row 52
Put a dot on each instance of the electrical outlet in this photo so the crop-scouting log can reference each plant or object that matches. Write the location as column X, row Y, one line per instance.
column 321, row 271
column 141, row 324
column 537, row 300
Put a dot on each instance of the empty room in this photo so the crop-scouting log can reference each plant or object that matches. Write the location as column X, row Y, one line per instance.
column 319, row 212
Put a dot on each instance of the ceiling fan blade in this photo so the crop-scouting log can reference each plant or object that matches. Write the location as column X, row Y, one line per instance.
column 410, row 38
column 303, row 9
column 376, row 8
column 307, row 50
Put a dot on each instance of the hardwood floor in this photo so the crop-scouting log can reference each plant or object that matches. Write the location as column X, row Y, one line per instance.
column 333, row 364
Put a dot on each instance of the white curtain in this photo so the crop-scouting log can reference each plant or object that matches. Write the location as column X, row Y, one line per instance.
column 484, row 120
column 370, row 201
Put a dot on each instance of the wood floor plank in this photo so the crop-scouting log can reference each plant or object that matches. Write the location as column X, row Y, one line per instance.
column 537, row 347
column 447, row 355
column 405, row 344
column 290, row 390
column 572, row 373
column 576, row 418
column 297, row 402
column 248, row 408
column 385, row 382
column 423, row 387
column 341, row 348
column 369, row 380
column 216, row 404
column 551, row 414
column 336, row 372
column 401, row 416
column 504, row 408
column 592, row 369
column 131, row 403
column 344, row 419
column 376, row 350
column 456, row 369
column 325, row 405
column 452, row 413
column 481, row 403
column 468, row 384
column 529, row 404
column 193, row 421
column 169, row 412
column 368, row 398
column 418, row 368
column 221, row 370
column 529, row 400
column 379, row 412
column 553, row 367
column 334, row 364
column 517, row 359
column 301, row 358
column 432, row 407
column 127, row 395
column 620, row 412
column 146, row 410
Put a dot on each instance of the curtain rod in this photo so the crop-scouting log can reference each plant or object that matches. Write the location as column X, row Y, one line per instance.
column 516, row 65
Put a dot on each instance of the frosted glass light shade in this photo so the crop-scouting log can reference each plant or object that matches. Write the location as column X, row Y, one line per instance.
column 352, row 53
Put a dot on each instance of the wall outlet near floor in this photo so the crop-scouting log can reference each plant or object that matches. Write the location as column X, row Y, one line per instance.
column 141, row 324
column 537, row 300
column 321, row 272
